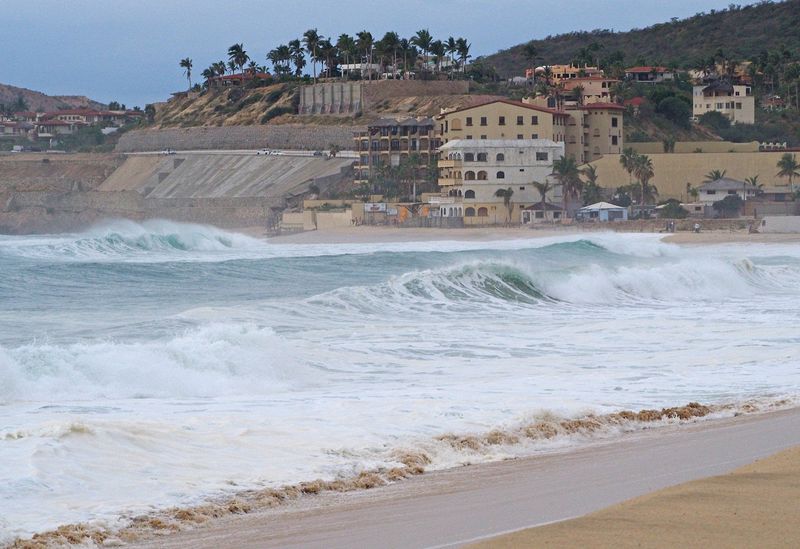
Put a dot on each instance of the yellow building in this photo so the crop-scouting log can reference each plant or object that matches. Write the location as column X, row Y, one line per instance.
column 562, row 73
column 595, row 89
column 735, row 102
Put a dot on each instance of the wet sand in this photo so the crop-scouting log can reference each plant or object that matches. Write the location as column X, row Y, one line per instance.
column 757, row 505
column 467, row 504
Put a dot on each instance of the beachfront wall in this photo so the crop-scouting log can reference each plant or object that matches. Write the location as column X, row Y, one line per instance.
column 656, row 147
column 673, row 171
column 780, row 224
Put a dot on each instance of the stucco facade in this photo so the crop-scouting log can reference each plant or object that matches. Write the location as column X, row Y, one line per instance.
column 735, row 102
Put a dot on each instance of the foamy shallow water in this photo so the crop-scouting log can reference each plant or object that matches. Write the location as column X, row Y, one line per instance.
column 146, row 365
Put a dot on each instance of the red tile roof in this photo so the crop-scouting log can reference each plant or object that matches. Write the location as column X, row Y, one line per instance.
column 635, row 101
column 508, row 102
column 647, row 69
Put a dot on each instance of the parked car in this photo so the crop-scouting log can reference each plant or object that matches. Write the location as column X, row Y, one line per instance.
column 319, row 153
column 263, row 151
column 167, row 152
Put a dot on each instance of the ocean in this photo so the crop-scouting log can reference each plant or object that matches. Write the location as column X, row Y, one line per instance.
column 156, row 364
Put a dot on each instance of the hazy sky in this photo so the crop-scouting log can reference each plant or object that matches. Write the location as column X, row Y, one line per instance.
column 128, row 50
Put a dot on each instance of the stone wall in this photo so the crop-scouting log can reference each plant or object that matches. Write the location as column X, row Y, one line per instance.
column 279, row 136
column 335, row 98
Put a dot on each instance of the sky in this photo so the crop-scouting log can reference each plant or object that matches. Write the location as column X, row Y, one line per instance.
column 128, row 50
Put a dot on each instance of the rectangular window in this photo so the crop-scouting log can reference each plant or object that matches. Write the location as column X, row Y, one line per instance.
column 711, row 192
column 522, row 188
column 502, row 121
column 534, row 136
column 469, row 121
column 738, row 105
column 483, row 137
column 519, row 136
column 614, row 122
column 469, row 137
column 541, row 157
column 483, row 120
column 613, row 139
column 535, row 120
column 520, row 121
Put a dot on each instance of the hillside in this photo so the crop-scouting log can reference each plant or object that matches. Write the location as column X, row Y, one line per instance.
column 39, row 101
column 741, row 32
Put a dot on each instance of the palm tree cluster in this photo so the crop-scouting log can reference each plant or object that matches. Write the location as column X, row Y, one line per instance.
column 639, row 166
column 402, row 55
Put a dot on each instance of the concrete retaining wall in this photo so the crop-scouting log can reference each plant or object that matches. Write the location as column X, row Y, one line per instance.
column 780, row 224
column 337, row 98
column 279, row 136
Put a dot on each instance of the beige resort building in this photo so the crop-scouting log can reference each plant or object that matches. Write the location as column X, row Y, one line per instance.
column 736, row 102
column 473, row 170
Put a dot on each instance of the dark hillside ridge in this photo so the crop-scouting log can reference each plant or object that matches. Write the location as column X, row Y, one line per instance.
column 741, row 32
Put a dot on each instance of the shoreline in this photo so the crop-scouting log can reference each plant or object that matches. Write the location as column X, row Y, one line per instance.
column 449, row 507
column 380, row 234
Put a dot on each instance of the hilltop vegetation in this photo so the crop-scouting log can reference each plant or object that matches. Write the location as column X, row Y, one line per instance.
column 743, row 32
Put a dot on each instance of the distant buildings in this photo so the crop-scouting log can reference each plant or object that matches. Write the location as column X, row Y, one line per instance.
column 560, row 73
column 714, row 191
column 649, row 74
column 50, row 125
column 593, row 89
column 735, row 102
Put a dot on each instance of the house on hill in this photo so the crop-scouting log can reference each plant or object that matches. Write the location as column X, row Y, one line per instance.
column 649, row 74
column 736, row 102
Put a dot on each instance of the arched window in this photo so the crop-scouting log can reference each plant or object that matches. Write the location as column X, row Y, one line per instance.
column 469, row 176
column 483, row 212
column 469, row 157
column 482, row 157
column 469, row 212
column 501, row 175
column 451, row 192
column 469, row 194
column 459, row 192
column 500, row 157
column 455, row 124
column 482, row 176
column 450, row 212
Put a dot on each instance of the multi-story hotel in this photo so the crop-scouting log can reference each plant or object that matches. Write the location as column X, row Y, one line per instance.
column 389, row 140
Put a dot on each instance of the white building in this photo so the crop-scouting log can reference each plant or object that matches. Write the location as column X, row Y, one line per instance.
column 714, row 191
column 472, row 171
column 735, row 102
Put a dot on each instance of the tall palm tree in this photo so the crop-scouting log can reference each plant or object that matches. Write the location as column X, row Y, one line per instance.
column 220, row 68
column 328, row 53
column 311, row 40
column 186, row 64
column 423, row 41
column 347, row 48
column 644, row 173
column 506, row 195
column 543, row 189
column 788, row 167
column 463, row 52
column 452, row 48
column 628, row 161
column 591, row 190
column 365, row 43
column 566, row 172
column 438, row 51
column 298, row 58
column 714, row 175
column 238, row 56
column 391, row 43
column 410, row 54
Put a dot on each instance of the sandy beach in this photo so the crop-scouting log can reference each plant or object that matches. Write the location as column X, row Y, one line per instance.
column 754, row 506
column 459, row 506
column 374, row 234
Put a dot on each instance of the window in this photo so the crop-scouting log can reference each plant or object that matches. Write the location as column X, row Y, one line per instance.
column 711, row 192
column 520, row 120
column 483, row 120
column 502, row 121
column 519, row 136
column 500, row 157
column 501, row 175
column 614, row 122
column 456, row 124
column 522, row 169
column 469, row 176
column 535, row 120
column 614, row 140
column 482, row 157
column 738, row 105
column 469, row 121
column 483, row 136
column 469, row 212
column 731, row 192
column 483, row 212
column 482, row 176
column 534, row 136
column 468, row 137
column 542, row 157
column 522, row 188
column 469, row 157
column 469, row 194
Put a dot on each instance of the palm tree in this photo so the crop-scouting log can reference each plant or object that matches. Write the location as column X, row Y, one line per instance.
column 789, row 168
column 327, row 51
column 311, row 39
column 692, row 191
column 543, row 189
column 391, row 43
column 452, row 48
column 462, row 47
column 347, row 47
column 220, row 68
column 410, row 54
column 506, row 195
column 628, row 161
column 298, row 58
column 566, row 172
column 591, row 190
column 644, row 172
column 186, row 64
column 423, row 40
column 365, row 43
column 438, row 50
column 238, row 56
column 714, row 175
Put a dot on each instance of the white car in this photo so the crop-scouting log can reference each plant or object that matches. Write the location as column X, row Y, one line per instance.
column 264, row 151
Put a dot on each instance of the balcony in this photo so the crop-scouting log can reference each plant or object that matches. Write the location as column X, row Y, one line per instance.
column 450, row 181
column 448, row 163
